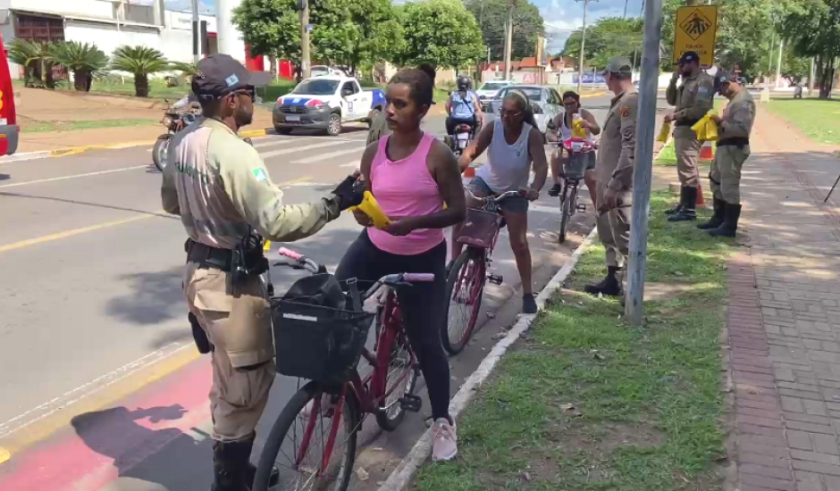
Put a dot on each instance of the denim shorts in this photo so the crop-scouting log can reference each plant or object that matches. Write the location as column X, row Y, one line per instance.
column 517, row 204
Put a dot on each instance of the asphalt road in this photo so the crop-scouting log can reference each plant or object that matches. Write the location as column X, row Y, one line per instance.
column 94, row 343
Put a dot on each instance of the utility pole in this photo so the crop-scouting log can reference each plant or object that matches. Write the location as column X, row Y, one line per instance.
column 508, row 40
column 624, row 16
column 195, row 30
column 637, row 261
column 779, row 64
column 582, row 57
column 304, row 38
column 811, row 79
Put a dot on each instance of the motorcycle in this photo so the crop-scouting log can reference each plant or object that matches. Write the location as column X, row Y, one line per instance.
column 176, row 117
column 459, row 141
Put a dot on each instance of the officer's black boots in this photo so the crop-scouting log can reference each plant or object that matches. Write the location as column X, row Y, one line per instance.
column 730, row 222
column 610, row 286
column 679, row 207
column 717, row 219
column 689, row 203
column 232, row 468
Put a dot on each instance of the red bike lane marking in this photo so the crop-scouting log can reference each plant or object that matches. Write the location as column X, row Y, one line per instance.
column 102, row 445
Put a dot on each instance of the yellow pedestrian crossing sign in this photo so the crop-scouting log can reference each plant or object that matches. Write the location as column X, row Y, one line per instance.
column 695, row 29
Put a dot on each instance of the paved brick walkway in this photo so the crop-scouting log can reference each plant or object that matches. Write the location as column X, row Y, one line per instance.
column 784, row 318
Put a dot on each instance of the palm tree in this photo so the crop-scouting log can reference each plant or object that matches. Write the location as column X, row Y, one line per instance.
column 81, row 59
column 187, row 69
column 140, row 61
column 26, row 54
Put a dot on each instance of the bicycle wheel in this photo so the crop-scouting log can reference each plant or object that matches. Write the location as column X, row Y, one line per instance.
column 298, row 441
column 567, row 208
column 400, row 381
column 464, row 289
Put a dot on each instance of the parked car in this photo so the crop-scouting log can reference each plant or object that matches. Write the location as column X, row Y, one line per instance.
column 321, row 70
column 326, row 102
column 545, row 101
column 488, row 91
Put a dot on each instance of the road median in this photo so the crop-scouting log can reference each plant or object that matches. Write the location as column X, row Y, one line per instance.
column 584, row 401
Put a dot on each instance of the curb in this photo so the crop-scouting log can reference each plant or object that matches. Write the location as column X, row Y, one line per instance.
column 64, row 152
column 401, row 476
column 594, row 94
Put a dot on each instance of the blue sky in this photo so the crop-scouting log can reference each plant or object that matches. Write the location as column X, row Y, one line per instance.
column 564, row 16
column 561, row 16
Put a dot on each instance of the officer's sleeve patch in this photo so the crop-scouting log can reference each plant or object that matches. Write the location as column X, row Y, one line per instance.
column 704, row 90
column 625, row 111
column 259, row 174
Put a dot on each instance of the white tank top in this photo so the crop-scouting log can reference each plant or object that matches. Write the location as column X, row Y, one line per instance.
column 509, row 166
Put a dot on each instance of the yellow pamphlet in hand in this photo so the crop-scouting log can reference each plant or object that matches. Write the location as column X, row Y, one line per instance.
column 706, row 129
column 371, row 208
column 578, row 131
column 664, row 132
column 267, row 246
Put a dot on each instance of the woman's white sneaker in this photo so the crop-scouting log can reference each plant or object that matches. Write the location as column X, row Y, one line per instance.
column 444, row 440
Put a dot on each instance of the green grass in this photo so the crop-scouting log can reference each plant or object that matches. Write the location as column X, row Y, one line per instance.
column 668, row 156
column 648, row 405
column 44, row 126
column 819, row 119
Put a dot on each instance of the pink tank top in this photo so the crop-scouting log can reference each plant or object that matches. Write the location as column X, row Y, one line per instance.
column 405, row 188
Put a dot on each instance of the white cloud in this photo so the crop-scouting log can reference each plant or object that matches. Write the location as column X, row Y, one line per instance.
column 564, row 16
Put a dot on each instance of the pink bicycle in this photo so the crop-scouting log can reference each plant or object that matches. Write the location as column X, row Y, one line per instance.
column 468, row 274
column 313, row 440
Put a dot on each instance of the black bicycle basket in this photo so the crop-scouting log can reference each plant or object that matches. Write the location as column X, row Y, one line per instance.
column 576, row 165
column 316, row 342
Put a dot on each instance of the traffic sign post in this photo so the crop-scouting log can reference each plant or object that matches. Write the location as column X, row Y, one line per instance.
column 694, row 30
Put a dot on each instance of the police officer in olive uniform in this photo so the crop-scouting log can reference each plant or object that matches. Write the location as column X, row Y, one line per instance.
column 693, row 99
column 614, row 171
column 220, row 187
column 733, row 148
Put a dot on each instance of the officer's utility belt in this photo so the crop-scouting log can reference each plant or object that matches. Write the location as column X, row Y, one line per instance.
column 207, row 256
column 686, row 122
column 739, row 142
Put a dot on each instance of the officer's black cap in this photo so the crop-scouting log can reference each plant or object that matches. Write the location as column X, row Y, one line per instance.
column 722, row 78
column 220, row 74
column 689, row 57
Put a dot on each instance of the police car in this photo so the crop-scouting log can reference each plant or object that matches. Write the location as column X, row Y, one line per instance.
column 326, row 102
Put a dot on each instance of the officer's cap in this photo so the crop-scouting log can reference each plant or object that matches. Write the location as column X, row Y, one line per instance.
column 722, row 78
column 219, row 74
column 620, row 65
column 689, row 57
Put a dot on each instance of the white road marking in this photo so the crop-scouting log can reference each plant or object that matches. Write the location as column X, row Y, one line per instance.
column 325, row 156
column 285, row 151
column 354, row 164
column 74, row 176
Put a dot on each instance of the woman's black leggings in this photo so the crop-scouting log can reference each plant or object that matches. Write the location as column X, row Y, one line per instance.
column 422, row 306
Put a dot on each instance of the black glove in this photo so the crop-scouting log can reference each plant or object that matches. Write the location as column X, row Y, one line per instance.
column 349, row 192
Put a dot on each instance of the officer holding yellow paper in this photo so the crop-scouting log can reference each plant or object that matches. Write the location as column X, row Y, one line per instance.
column 692, row 99
column 733, row 148
column 220, row 187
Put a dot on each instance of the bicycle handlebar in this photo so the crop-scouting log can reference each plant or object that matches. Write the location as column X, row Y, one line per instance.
column 499, row 198
column 290, row 254
column 419, row 277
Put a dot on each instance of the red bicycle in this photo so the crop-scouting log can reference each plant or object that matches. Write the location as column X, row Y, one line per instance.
column 468, row 274
column 313, row 440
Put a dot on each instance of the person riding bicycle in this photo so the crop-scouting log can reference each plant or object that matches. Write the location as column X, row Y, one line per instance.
column 463, row 107
column 379, row 124
column 412, row 175
column 564, row 124
column 514, row 145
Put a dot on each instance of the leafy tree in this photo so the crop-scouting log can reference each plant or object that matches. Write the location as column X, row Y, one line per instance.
column 141, row 62
column 492, row 15
column 795, row 67
column 813, row 26
column 439, row 32
column 271, row 27
column 83, row 59
column 28, row 55
column 608, row 37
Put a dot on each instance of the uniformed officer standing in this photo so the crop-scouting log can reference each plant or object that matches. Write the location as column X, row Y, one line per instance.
column 693, row 99
column 614, row 170
column 733, row 148
column 221, row 189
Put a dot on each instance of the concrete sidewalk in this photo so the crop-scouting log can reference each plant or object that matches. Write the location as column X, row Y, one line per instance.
column 783, row 329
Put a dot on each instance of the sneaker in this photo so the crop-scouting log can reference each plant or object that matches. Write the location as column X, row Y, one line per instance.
column 529, row 305
column 555, row 190
column 444, row 440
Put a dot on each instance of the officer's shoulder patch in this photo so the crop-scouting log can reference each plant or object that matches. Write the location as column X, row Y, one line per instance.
column 704, row 90
column 624, row 111
column 259, row 174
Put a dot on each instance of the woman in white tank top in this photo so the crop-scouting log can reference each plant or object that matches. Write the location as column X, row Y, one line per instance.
column 563, row 123
column 514, row 145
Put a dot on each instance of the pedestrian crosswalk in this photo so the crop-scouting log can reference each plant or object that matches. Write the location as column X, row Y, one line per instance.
column 310, row 150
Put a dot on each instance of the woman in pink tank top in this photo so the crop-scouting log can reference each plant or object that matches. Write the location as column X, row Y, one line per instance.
column 412, row 175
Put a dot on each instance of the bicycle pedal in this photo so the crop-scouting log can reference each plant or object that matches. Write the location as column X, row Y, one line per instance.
column 581, row 207
column 496, row 279
column 411, row 402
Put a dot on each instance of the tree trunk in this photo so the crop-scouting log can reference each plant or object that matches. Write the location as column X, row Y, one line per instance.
column 80, row 80
column 49, row 79
column 272, row 65
column 141, row 85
